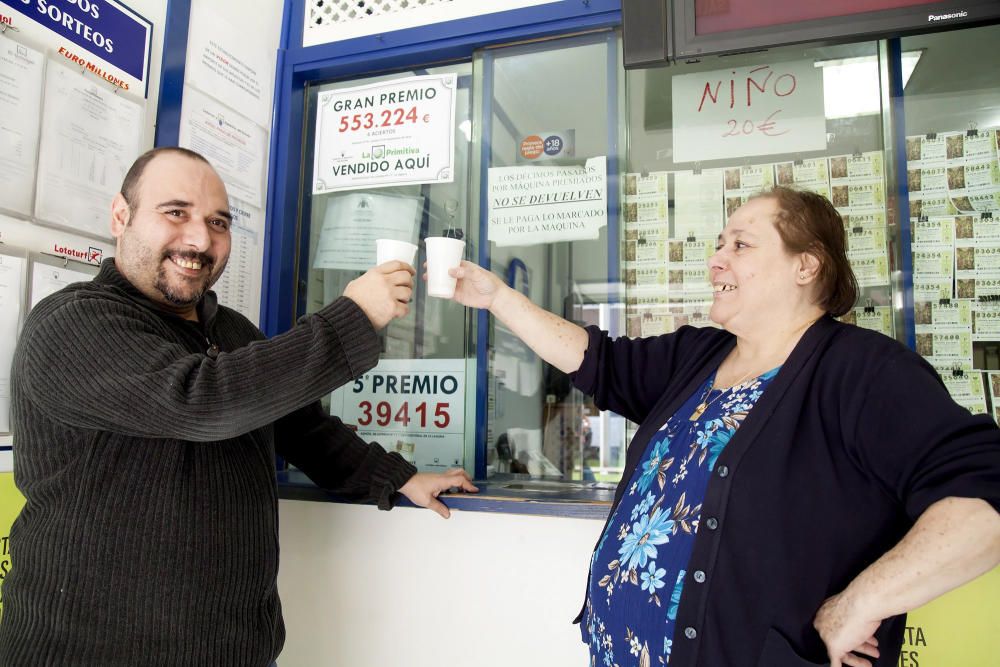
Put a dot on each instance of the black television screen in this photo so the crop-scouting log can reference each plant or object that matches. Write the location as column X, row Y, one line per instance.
column 707, row 27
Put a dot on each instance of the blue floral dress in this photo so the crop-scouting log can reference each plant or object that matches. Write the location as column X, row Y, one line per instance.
column 637, row 571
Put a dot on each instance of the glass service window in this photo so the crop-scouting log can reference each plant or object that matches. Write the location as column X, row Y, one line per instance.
column 551, row 110
column 415, row 400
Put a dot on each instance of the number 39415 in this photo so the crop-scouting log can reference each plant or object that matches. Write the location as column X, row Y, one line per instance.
column 383, row 414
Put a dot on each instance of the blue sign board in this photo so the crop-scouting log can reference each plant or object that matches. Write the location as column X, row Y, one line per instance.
column 108, row 29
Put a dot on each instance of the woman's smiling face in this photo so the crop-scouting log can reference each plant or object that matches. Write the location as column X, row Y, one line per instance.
column 754, row 278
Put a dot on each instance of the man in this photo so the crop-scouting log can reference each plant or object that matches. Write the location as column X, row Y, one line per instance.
column 147, row 418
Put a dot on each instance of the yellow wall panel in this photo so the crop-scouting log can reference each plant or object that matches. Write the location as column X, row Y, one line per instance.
column 11, row 502
column 956, row 630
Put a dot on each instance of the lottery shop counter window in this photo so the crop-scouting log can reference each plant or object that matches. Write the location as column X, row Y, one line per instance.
column 358, row 187
column 454, row 388
column 519, row 494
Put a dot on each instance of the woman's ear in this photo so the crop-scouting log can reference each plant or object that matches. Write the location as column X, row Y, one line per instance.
column 808, row 268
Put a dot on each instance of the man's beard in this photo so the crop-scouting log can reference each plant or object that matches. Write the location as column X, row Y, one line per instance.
column 193, row 295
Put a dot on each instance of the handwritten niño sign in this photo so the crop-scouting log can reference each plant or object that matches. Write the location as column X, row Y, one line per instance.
column 748, row 111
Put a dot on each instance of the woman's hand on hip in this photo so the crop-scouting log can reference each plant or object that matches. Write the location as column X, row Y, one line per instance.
column 846, row 629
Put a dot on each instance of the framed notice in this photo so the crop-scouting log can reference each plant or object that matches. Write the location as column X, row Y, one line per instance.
column 384, row 134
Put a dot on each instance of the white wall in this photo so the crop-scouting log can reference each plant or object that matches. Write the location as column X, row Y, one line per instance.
column 363, row 588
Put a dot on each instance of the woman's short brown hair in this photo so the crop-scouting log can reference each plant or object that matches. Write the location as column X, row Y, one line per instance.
column 808, row 222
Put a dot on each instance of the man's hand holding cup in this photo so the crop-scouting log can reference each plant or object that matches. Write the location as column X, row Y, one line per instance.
column 384, row 292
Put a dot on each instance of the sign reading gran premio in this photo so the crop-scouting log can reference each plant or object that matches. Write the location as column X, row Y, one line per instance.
column 106, row 29
column 399, row 132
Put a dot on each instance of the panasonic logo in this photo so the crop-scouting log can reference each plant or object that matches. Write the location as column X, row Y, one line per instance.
column 944, row 17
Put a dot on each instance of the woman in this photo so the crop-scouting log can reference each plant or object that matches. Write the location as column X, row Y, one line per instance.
column 796, row 484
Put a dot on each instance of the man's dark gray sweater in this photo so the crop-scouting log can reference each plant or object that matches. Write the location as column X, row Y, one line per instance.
column 144, row 445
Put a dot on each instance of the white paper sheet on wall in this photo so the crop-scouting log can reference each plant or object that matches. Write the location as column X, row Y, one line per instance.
column 698, row 204
column 221, row 61
column 239, row 286
column 533, row 205
column 234, row 145
column 47, row 279
column 90, row 137
column 748, row 111
column 12, row 272
column 385, row 134
column 21, row 75
column 354, row 220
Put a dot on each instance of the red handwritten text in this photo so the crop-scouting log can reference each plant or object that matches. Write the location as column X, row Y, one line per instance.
column 764, row 80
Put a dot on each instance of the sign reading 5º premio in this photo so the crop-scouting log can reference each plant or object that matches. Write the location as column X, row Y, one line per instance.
column 399, row 132
column 413, row 406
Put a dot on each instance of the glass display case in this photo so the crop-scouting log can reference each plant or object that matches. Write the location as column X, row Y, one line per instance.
column 952, row 116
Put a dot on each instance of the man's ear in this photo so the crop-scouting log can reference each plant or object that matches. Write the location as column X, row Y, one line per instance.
column 120, row 215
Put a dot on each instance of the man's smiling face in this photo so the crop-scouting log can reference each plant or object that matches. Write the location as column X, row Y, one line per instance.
column 173, row 238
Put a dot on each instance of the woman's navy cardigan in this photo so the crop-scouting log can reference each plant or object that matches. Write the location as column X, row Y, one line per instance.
column 851, row 442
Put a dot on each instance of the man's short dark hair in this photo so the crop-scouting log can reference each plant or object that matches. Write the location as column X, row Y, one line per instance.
column 130, row 186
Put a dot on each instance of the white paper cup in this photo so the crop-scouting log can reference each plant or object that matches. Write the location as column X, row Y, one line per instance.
column 387, row 250
column 443, row 253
